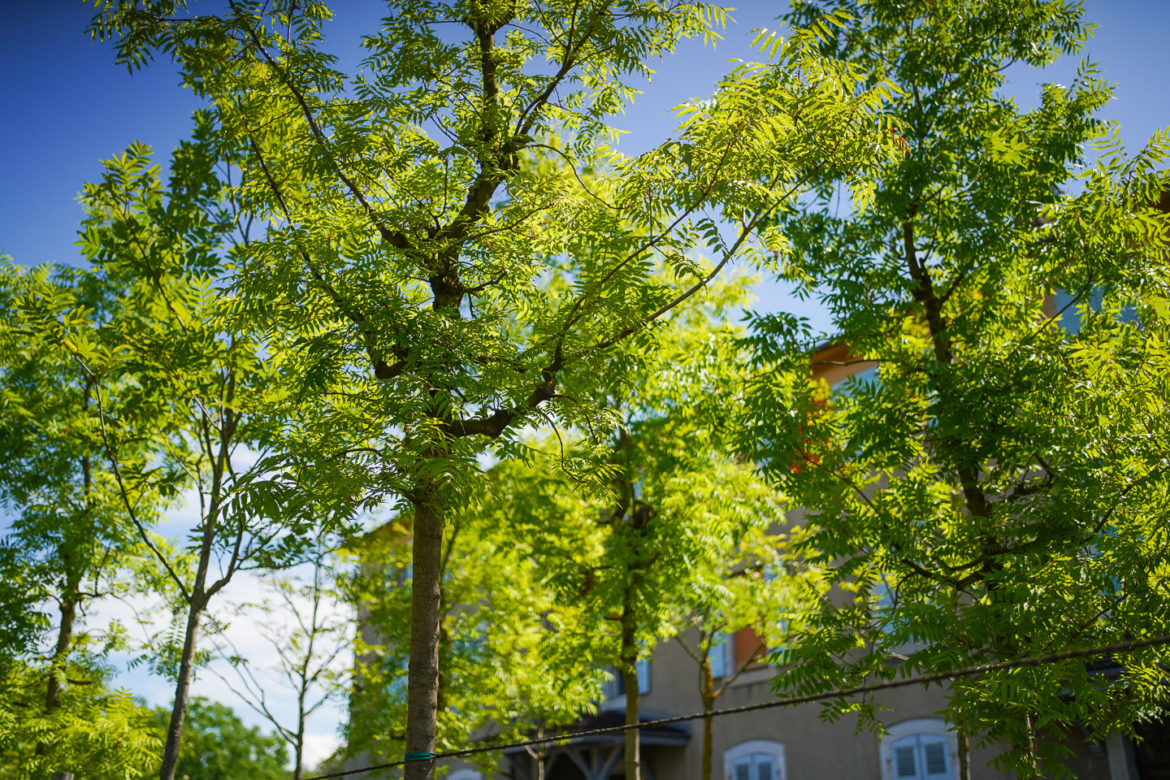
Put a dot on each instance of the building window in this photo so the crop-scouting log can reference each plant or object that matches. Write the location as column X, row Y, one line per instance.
column 465, row 774
column 721, row 654
column 920, row 749
column 756, row 760
column 885, row 604
column 921, row 758
column 616, row 685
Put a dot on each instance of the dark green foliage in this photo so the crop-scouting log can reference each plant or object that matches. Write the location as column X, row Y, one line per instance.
column 218, row 746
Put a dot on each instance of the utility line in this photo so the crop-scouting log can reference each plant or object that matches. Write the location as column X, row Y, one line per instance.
column 969, row 671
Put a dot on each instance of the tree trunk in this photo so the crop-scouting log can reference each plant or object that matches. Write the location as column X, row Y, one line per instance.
column 422, row 691
column 299, row 750
column 60, row 653
column 629, row 658
column 61, row 650
column 1033, row 759
column 633, row 744
column 195, row 610
column 964, row 755
column 707, row 692
column 537, row 755
column 70, row 600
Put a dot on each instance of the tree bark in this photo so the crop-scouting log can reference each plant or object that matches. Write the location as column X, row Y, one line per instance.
column 964, row 755
column 1030, row 752
column 299, row 749
column 422, row 691
column 538, row 756
column 707, row 691
column 69, row 602
column 195, row 610
column 61, row 650
column 633, row 744
column 629, row 658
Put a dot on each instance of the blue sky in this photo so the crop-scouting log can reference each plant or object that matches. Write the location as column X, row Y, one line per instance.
column 67, row 106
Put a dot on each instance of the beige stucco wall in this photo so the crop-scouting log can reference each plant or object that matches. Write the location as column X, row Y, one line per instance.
column 814, row 748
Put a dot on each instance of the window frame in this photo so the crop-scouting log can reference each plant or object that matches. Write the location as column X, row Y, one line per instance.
column 746, row 749
column 613, row 690
column 917, row 727
column 722, row 648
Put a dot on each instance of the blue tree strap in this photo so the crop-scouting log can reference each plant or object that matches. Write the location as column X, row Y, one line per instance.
column 406, row 759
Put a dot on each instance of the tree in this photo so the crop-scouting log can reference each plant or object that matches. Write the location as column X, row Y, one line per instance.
column 178, row 398
column 996, row 488
column 754, row 586
column 68, row 543
column 511, row 657
column 651, row 545
column 104, row 733
column 451, row 251
column 312, row 636
column 218, row 746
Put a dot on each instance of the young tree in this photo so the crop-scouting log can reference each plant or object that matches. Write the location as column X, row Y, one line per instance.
column 636, row 553
column 92, row 730
column 511, row 658
column 178, row 399
column 451, row 251
column 311, row 631
column 754, row 586
column 69, row 543
column 996, row 488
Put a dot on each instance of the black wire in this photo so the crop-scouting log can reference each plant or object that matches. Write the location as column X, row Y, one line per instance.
column 926, row 679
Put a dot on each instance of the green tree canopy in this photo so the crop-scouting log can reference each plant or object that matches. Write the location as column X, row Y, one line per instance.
column 68, row 545
column 449, row 250
column 997, row 486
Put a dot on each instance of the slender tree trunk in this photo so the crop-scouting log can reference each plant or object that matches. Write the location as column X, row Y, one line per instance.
column 70, row 600
column 707, row 691
column 629, row 657
column 299, row 749
column 298, row 744
column 964, row 755
column 68, row 608
column 195, row 609
column 538, row 755
column 1033, row 765
column 422, row 691
column 633, row 743
column 61, row 649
